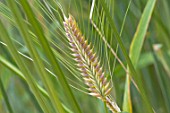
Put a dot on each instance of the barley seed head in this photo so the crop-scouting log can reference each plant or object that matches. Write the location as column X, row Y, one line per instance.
column 88, row 63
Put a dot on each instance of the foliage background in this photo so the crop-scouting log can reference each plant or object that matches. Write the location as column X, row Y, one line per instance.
column 152, row 67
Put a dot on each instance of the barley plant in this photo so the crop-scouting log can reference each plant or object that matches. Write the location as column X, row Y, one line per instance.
column 84, row 56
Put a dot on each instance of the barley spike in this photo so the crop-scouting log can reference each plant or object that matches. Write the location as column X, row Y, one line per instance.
column 88, row 64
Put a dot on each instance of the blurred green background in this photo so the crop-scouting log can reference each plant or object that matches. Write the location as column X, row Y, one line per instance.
column 152, row 67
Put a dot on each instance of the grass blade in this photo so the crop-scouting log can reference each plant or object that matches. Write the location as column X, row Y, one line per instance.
column 11, row 67
column 160, row 78
column 5, row 97
column 37, row 61
column 131, row 67
column 50, row 55
column 135, row 49
column 20, row 63
column 164, row 59
column 138, row 39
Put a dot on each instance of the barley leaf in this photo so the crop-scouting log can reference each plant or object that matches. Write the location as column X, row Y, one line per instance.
column 139, row 36
column 135, row 48
column 5, row 96
column 50, row 55
column 5, row 37
column 159, row 74
column 158, row 55
column 37, row 62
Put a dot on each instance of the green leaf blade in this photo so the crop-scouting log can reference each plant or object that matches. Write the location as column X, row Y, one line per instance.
column 139, row 37
column 135, row 49
column 50, row 55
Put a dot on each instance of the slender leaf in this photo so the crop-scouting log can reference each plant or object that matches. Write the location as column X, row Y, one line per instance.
column 131, row 67
column 50, row 55
column 21, row 65
column 37, row 62
column 160, row 80
column 5, row 97
column 135, row 49
column 14, row 69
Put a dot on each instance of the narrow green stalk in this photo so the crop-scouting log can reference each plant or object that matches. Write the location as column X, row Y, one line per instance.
column 22, row 67
column 14, row 69
column 5, row 97
column 135, row 49
column 106, row 109
column 50, row 55
column 37, row 61
column 160, row 80
column 131, row 67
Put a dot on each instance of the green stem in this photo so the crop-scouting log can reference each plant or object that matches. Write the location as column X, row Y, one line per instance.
column 106, row 109
column 5, row 97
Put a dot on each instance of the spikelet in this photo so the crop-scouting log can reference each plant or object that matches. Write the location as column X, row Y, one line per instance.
column 88, row 64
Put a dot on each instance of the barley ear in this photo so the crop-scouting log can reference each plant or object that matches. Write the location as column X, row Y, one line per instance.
column 88, row 64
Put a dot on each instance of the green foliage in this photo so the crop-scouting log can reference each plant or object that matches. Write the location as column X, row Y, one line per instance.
column 135, row 49
column 38, row 74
